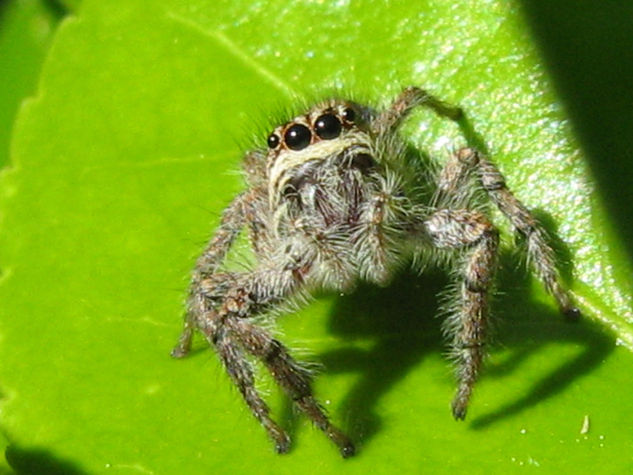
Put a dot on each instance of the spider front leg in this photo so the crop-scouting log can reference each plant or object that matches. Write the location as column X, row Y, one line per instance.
column 378, row 229
column 223, row 304
column 231, row 353
column 468, row 163
column 233, row 219
column 453, row 181
column 294, row 379
column 409, row 99
column 468, row 323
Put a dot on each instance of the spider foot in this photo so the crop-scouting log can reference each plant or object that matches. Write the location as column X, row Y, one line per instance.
column 572, row 314
column 459, row 407
column 344, row 444
column 282, row 441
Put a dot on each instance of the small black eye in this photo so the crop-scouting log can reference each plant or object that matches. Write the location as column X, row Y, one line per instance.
column 297, row 137
column 349, row 115
column 327, row 126
column 273, row 140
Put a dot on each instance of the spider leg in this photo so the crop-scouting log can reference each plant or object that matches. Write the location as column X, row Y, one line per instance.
column 230, row 225
column 454, row 229
column 231, row 353
column 378, row 231
column 373, row 249
column 410, row 98
column 540, row 253
column 224, row 303
column 293, row 378
column 452, row 180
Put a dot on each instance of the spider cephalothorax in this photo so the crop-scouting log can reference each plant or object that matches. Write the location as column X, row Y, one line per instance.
column 333, row 200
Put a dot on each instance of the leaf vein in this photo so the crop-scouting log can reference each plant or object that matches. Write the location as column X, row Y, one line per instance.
column 236, row 51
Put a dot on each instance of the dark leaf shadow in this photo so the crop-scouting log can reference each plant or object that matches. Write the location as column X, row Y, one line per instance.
column 34, row 461
column 588, row 49
column 400, row 319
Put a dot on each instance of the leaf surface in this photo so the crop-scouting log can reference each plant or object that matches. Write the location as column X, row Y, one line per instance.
column 121, row 166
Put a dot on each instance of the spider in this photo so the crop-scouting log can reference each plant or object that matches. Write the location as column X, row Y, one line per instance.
column 334, row 199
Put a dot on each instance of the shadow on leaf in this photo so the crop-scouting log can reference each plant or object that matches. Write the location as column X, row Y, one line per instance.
column 400, row 321
column 38, row 461
column 587, row 50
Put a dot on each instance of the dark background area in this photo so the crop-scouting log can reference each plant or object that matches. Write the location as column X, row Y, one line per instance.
column 588, row 49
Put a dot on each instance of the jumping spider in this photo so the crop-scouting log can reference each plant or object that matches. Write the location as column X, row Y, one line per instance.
column 333, row 200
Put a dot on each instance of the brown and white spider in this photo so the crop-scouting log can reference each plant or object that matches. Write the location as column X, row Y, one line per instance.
column 335, row 199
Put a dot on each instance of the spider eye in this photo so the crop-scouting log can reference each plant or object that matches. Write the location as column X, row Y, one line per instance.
column 297, row 137
column 349, row 114
column 327, row 126
column 273, row 140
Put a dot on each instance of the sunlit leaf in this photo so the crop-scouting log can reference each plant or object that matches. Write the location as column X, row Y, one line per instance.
column 121, row 166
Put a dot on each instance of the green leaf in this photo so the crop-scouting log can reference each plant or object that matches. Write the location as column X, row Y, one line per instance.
column 26, row 29
column 121, row 166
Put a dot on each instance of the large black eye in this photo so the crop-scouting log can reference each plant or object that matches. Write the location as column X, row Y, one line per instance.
column 297, row 137
column 327, row 126
column 349, row 115
column 273, row 140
